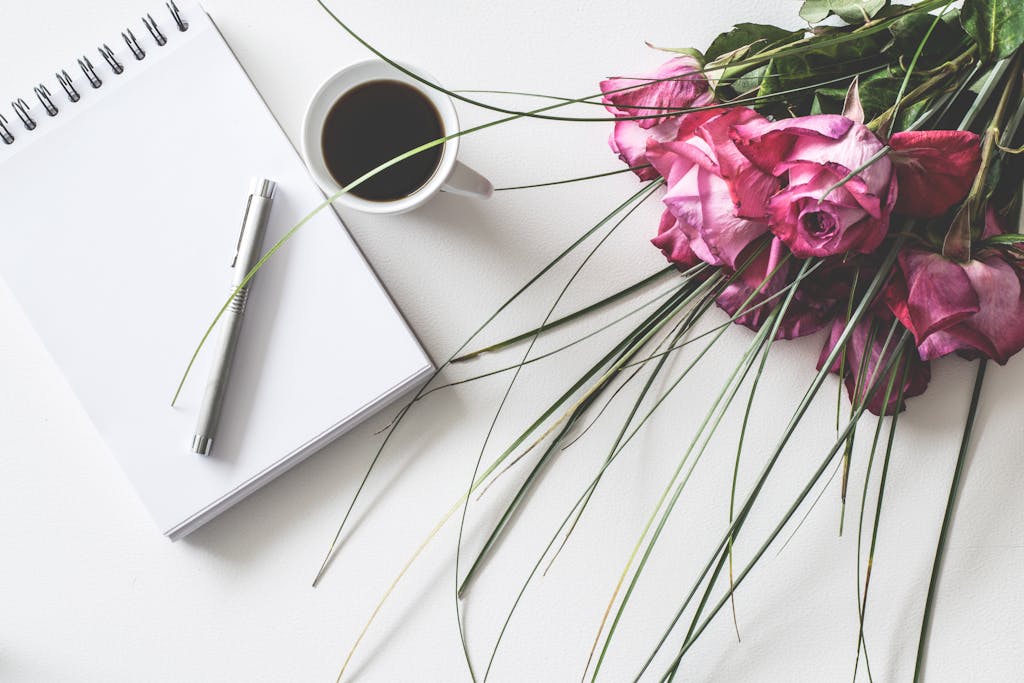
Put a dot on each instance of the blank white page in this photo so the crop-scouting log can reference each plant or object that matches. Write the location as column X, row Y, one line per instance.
column 118, row 223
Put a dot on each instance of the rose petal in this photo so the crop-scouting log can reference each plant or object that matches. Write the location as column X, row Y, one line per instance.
column 861, row 365
column 935, row 169
column 674, row 243
column 996, row 331
column 764, row 142
column 629, row 141
column 687, row 88
column 760, row 280
column 749, row 186
column 725, row 233
column 939, row 293
column 851, row 151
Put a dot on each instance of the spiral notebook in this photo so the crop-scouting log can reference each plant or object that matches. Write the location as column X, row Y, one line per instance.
column 122, row 187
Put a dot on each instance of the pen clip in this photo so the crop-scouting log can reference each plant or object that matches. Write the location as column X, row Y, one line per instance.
column 241, row 230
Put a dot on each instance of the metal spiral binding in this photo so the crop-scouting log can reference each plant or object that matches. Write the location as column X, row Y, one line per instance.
column 46, row 99
column 176, row 15
column 89, row 72
column 5, row 133
column 133, row 44
column 69, row 87
column 67, row 84
column 21, row 109
column 154, row 30
column 111, row 60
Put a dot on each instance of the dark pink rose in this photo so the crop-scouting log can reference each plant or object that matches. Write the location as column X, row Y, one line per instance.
column 719, row 198
column 656, row 97
column 935, row 169
column 765, row 276
column 974, row 308
column 810, row 154
column 865, row 364
column 674, row 243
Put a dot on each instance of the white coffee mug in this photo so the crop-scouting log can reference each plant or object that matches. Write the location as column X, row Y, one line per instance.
column 450, row 175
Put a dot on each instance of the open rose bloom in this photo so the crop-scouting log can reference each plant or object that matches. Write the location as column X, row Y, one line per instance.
column 756, row 198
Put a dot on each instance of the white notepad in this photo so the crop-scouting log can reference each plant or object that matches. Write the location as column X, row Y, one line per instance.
column 118, row 221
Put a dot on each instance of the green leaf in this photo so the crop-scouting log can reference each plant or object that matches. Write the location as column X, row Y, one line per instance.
column 996, row 25
column 825, row 62
column 1010, row 238
column 850, row 11
column 877, row 93
column 758, row 36
column 750, row 80
column 908, row 32
column 688, row 51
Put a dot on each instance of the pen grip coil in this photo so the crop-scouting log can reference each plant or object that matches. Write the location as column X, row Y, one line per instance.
column 68, row 91
column 238, row 301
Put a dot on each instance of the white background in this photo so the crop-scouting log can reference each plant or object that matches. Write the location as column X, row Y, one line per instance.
column 90, row 591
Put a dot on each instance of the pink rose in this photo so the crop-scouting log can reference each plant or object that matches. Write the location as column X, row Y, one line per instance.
column 809, row 155
column 765, row 277
column 661, row 99
column 974, row 308
column 718, row 198
column 674, row 242
column 864, row 365
column 934, row 168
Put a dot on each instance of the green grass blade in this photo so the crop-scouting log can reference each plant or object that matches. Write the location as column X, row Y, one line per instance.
column 404, row 410
column 873, row 288
column 525, row 336
column 947, row 518
column 789, row 514
column 582, row 503
column 675, row 289
column 572, row 180
column 501, row 405
column 664, row 501
column 862, row 603
column 625, row 347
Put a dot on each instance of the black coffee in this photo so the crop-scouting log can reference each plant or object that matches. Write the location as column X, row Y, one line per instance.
column 373, row 123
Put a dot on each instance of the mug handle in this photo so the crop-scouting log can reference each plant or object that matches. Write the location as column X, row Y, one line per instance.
column 466, row 182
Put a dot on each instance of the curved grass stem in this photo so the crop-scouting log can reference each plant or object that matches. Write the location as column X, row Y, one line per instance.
column 947, row 519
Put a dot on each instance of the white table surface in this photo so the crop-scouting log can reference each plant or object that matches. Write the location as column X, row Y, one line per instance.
column 89, row 591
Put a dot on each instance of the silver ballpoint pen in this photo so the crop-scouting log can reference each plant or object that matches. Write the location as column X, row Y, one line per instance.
column 247, row 253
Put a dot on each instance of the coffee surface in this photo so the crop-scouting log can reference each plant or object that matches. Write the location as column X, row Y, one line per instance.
column 373, row 123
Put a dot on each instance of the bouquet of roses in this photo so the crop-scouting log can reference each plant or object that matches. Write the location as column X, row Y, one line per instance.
column 857, row 178
column 829, row 199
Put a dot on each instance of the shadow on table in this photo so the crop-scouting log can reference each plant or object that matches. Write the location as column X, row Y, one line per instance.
column 327, row 480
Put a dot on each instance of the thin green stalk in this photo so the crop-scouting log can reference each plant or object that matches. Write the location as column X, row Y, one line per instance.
column 736, row 468
column 873, row 288
column 629, row 314
column 785, row 520
column 858, row 387
column 641, row 82
column 947, row 518
column 913, row 65
column 508, row 302
column 775, row 324
column 581, row 504
column 862, row 603
column 625, row 347
column 671, row 494
column 573, row 180
column 570, row 317
column 680, row 330
column 664, row 499
column 501, row 405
